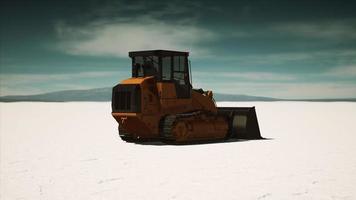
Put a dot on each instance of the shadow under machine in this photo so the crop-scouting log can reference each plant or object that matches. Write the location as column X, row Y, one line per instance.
column 159, row 103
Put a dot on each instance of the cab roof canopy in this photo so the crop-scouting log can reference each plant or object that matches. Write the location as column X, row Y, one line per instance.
column 158, row 53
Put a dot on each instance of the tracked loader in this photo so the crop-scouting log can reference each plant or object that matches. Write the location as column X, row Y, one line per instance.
column 159, row 103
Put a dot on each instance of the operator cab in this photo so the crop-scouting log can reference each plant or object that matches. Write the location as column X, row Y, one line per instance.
column 165, row 66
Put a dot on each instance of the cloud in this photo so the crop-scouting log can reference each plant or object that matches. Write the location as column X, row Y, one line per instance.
column 335, row 82
column 14, row 84
column 117, row 39
column 248, row 76
column 120, row 27
column 342, row 71
column 284, row 90
column 336, row 30
column 122, row 10
column 330, row 31
column 329, row 58
column 24, row 78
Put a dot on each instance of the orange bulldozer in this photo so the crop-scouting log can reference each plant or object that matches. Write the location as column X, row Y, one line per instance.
column 159, row 103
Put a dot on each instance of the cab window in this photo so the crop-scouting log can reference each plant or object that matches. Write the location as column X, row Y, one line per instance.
column 143, row 66
column 179, row 70
column 166, row 68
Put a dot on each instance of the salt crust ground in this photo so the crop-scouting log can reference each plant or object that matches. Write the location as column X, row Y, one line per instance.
column 72, row 151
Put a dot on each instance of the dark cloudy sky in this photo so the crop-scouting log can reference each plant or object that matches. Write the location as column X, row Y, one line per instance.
column 287, row 49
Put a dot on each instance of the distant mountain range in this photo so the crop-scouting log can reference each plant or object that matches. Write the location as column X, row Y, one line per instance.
column 104, row 94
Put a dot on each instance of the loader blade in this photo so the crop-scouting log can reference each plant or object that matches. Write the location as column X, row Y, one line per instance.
column 243, row 122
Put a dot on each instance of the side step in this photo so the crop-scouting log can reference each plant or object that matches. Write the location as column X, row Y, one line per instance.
column 243, row 122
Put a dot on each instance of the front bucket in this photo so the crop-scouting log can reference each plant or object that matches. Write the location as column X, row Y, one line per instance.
column 243, row 122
